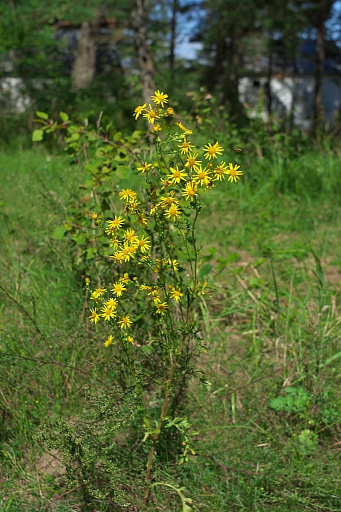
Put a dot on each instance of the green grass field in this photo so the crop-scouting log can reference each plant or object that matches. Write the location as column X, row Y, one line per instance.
column 269, row 427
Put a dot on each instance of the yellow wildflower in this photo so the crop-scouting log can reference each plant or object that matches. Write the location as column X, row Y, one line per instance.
column 144, row 167
column 156, row 128
column 127, row 194
column 220, row 171
column 176, row 176
column 174, row 264
column 108, row 312
column 125, row 279
column 114, row 242
column 160, row 98
column 138, row 110
column 125, row 322
column 202, row 175
column 145, row 287
column 151, row 115
column 111, row 303
column 144, row 244
column 176, row 294
column 167, row 201
column 154, row 293
column 184, row 129
column 118, row 288
column 234, row 173
column 130, row 237
column 161, row 307
column 97, row 294
column 181, row 126
column 94, row 317
column 127, row 253
column 213, row 151
column 190, row 191
column 109, row 341
column 192, row 160
column 185, row 147
column 118, row 256
column 173, row 211
column 115, row 224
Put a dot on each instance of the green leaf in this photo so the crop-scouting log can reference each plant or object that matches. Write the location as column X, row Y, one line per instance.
column 75, row 136
column 63, row 116
column 81, row 239
column 91, row 168
column 37, row 135
column 42, row 115
column 90, row 253
column 256, row 282
column 59, row 233
column 205, row 270
column 121, row 155
column 146, row 349
column 122, row 172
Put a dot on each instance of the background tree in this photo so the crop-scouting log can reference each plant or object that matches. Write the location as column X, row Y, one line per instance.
column 222, row 33
column 139, row 20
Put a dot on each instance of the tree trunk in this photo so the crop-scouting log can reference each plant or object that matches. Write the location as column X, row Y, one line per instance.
column 84, row 68
column 173, row 37
column 231, row 92
column 139, row 19
column 320, row 56
column 267, row 86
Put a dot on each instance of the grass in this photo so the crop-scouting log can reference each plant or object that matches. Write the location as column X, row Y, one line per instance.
column 269, row 427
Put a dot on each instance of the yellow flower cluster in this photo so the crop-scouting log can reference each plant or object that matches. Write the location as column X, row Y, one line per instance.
column 191, row 175
column 108, row 308
column 125, row 242
column 181, row 181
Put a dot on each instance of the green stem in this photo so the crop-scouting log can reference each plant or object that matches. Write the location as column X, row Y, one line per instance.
column 161, row 420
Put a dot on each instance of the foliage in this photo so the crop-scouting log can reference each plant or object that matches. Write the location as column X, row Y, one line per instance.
column 91, row 455
column 149, row 315
column 104, row 154
column 271, row 322
column 33, row 49
column 295, row 400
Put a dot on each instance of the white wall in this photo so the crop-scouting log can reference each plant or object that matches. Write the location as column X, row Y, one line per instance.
column 12, row 96
column 286, row 92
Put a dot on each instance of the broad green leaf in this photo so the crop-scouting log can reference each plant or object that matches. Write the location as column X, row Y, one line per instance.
column 59, row 233
column 42, row 115
column 122, row 172
column 90, row 253
column 81, row 239
column 93, row 169
column 75, row 136
column 37, row 135
column 64, row 116
column 121, row 155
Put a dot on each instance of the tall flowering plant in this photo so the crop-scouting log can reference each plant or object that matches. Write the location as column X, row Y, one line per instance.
column 150, row 305
column 146, row 301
